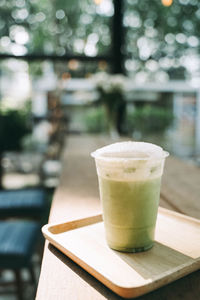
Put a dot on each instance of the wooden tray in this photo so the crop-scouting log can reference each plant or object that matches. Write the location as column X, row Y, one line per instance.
column 175, row 254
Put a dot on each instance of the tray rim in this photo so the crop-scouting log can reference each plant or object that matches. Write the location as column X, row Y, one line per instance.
column 126, row 292
column 98, row 218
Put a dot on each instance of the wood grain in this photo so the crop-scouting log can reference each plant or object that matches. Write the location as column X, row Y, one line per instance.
column 181, row 186
column 175, row 253
column 77, row 197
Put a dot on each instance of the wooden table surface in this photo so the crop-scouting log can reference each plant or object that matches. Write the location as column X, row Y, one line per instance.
column 77, row 196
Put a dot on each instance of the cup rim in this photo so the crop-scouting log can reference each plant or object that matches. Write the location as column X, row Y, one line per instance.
column 100, row 156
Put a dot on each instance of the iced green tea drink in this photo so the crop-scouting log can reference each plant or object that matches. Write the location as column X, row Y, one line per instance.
column 129, row 175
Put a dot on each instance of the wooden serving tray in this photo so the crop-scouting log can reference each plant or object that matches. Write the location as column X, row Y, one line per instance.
column 175, row 253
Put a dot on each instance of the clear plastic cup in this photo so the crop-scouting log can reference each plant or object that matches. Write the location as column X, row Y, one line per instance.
column 129, row 175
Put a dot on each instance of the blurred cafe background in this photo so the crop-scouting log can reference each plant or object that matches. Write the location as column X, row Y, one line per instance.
column 123, row 68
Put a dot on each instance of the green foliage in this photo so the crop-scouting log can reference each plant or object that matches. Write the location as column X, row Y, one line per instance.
column 156, row 37
column 149, row 119
column 162, row 35
column 111, row 100
column 95, row 120
column 35, row 69
column 13, row 127
column 54, row 26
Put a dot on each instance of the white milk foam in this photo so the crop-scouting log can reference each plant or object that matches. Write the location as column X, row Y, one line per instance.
column 130, row 161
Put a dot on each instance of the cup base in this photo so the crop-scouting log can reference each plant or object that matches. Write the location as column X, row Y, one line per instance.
column 131, row 250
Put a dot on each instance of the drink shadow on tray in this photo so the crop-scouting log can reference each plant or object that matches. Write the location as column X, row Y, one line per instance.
column 144, row 269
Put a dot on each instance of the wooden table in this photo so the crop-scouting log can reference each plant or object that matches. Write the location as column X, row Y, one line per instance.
column 77, row 196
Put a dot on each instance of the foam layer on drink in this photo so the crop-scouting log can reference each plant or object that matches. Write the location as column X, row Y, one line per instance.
column 127, row 161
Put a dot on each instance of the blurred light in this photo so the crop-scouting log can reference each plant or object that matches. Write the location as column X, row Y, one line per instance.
column 90, row 49
column 60, row 14
column 19, row 34
column 185, row 2
column 132, row 19
column 188, row 25
column 5, row 41
column 18, row 49
column 145, row 47
column 79, row 45
column 181, row 38
column 20, row 13
column 191, row 63
column 105, row 7
column 106, row 40
column 132, row 65
column 93, row 38
column 152, row 65
column 172, row 21
column 86, row 19
column 149, row 23
column 151, row 32
column 40, row 17
column 60, row 51
column 167, row 2
column 20, row 3
column 31, row 19
column 193, row 41
column 73, row 64
column 21, row 37
column 166, row 62
column 66, row 76
column 98, row 2
column 102, row 65
column 197, row 13
column 169, row 38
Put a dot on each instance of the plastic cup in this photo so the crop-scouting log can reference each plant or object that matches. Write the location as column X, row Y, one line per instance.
column 129, row 175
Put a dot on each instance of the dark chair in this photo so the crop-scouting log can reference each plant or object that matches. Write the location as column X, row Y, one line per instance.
column 28, row 203
column 18, row 240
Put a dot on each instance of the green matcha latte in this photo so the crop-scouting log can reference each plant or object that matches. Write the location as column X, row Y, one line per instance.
column 129, row 175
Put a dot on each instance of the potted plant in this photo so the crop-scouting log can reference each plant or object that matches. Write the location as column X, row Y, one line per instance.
column 149, row 120
column 111, row 90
